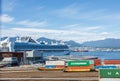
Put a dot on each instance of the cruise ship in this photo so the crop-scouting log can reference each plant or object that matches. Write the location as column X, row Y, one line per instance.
column 28, row 44
column 33, row 51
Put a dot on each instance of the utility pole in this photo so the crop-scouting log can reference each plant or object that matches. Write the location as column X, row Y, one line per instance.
column 0, row 30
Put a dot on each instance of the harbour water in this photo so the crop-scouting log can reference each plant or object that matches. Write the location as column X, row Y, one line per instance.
column 101, row 55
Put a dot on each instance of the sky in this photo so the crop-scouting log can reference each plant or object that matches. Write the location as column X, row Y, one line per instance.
column 78, row 20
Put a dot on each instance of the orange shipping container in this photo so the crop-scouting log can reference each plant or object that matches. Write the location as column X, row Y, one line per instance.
column 111, row 62
column 70, row 70
column 81, row 67
column 60, row 67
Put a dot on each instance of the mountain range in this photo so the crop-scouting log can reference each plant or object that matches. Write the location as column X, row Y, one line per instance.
column 108, row 43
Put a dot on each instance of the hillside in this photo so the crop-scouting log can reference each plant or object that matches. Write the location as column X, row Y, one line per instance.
column 110, row 42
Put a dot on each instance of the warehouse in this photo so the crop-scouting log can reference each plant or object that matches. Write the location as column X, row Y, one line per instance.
column 17, row 55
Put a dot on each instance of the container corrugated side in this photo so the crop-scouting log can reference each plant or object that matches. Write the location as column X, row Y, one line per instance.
column 78, row 63
column 111, row 62
column 77, row 70
column 91, row 61
column 50, row 66
column 97, row 62
column 105, row 67
column 60, row 67
column 55, row 63
column 81, row 67
column 109, row 73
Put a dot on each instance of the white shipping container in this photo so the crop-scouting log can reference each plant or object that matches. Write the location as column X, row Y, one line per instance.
column 55, row 63
column 109, row 79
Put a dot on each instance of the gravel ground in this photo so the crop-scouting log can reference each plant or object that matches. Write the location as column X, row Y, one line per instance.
column 46, row 74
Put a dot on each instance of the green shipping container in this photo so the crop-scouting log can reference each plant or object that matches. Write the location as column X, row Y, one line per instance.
column 78, row 63
column 91, row 61
column 109, row 73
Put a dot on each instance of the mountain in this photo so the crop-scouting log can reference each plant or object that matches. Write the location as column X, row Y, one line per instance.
column 49, row 41
column 109, row 42
column 11, row 39
column 70, row 43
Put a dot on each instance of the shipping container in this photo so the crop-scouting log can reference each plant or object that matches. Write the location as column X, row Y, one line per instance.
column 55, row 63
column 50, row 66
column 91, row 62
column 109, row 73
column 109, row 79
column 81, row 67
column 106, row 62
column 78, row 63
column 97, row 62
column 50, row 69
column 75, row 70
column 104, row 67
column 60, row 67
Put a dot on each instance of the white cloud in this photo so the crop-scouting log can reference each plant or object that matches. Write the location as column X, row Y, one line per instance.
column 104, row 33
column 80, row 27
column 72, row 26
column 33, row 23
column 85, row 13
column 79, row 36
column 6, row 18
column 94, row 28
column 75, row 11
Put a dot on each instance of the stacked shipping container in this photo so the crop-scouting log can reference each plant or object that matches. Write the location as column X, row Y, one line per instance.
column 82, row 65
column 79, row 65
column 112, row 62
column 55, row 65
column 109, row 75
column 97, row 62
column 108, row 64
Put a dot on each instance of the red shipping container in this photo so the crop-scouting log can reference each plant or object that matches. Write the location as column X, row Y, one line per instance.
column 111, row 62
column 97, row 62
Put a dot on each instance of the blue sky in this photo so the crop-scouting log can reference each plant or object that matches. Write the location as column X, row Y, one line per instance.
column 78, row 20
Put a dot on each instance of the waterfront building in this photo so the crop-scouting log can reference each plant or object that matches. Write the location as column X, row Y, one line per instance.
column 33, row 50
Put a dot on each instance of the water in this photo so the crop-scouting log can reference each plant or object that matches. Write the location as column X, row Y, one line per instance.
column 101, row 55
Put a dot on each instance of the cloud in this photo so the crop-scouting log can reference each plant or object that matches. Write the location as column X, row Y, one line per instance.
column 104, row 33
column 82, row 27
column 87, row 13
column 71, row 27
column 94, row 28
column 40, row 30
column 6, row 18
column 33, row 23
column 81, row 11
column 79, row 36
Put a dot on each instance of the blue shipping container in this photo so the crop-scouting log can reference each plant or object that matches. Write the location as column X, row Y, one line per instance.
column 104, row 67
column 50, row 66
